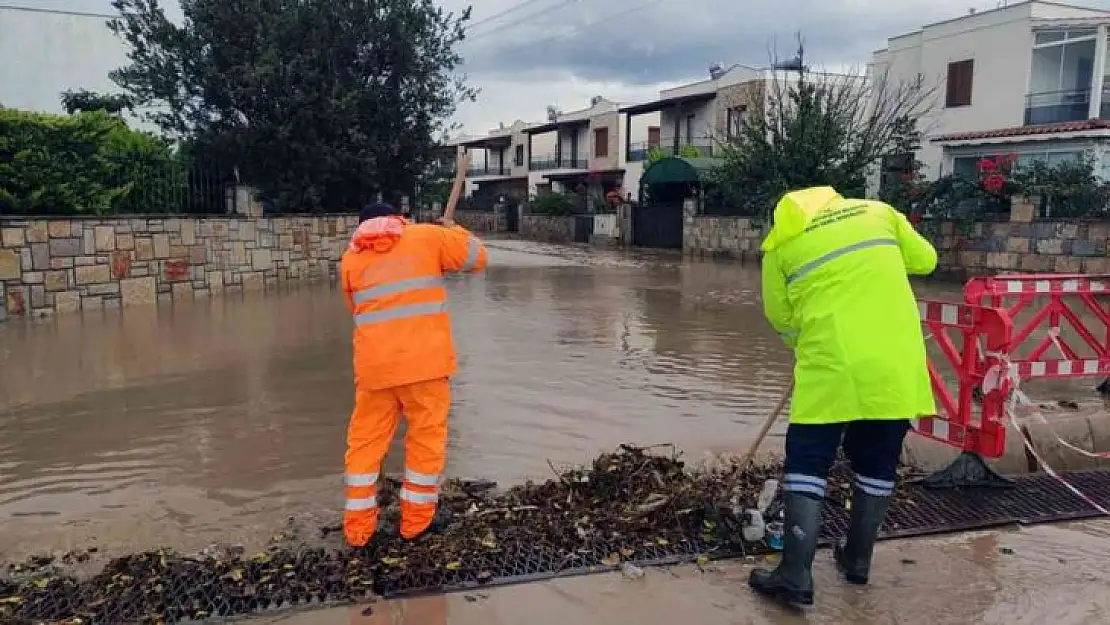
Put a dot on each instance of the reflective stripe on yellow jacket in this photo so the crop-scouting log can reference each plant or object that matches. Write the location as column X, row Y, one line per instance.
column 836, row 288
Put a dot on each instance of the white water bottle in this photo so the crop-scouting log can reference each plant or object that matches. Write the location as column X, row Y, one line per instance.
column 753, row 529
column 767, row 495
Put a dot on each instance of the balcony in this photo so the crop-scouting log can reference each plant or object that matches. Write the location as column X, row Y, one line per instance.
column 548, row 162
column 642, row 151
column 493, row 169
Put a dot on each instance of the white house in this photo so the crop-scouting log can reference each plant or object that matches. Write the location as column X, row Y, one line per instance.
column 1025, row 79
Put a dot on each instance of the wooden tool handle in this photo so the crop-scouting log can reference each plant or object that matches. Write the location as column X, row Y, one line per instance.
column 771, row 419
column 456, row 189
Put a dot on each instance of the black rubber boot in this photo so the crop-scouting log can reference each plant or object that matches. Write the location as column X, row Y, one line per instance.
column 792, row 580
column 853, row 556
column 439, row 523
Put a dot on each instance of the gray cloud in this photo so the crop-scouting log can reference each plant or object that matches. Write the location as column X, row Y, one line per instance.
column 672, row 40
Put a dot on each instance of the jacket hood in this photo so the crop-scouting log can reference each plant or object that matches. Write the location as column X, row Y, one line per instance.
column 795, row 211
column 379, row 234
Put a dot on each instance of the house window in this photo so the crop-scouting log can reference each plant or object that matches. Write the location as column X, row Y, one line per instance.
column 519, row 156
column 960, row 78
column 967, row 166
column 737, row 115
column 690, row 128
column 601, row 142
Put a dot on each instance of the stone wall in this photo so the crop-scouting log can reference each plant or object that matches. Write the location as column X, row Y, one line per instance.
column 724, row 237
column 1036, row 247
column 478, row 221
column 964, row 250
column 547, row 228
column 64, row 265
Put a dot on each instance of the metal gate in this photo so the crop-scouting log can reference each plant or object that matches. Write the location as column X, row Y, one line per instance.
column 583, row 228
column 658, row 225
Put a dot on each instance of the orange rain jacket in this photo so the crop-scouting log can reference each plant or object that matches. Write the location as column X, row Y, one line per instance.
column 397, row 294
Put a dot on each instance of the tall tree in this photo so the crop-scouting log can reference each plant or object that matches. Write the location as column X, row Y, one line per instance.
column 811, row 128
column 320, row 103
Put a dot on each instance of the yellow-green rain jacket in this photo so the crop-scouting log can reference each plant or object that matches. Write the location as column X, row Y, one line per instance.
column 836, row 288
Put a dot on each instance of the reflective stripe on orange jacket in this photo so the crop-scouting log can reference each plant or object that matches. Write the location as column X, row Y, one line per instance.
column 393, row 279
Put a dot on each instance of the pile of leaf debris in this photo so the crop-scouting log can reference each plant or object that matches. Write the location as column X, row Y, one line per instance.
column 630, row 505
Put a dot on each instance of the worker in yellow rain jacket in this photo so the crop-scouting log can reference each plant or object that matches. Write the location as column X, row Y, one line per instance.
column 392, row 275
column 836, row 288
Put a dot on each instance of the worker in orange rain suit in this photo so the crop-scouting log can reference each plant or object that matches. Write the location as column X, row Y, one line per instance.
column 392, row 275
column 836, row 288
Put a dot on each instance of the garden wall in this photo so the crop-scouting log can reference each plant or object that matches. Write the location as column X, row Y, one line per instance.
column 64, row 265
column 547, row 228
column 964, row 249
column 482, row 222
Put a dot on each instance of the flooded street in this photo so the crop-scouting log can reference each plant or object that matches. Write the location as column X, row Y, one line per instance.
column 219, row 420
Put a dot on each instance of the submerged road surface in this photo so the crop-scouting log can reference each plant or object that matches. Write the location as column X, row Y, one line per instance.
column 219, row 420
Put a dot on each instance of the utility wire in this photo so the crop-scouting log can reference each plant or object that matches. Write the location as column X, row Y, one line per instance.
column 526, row 18
column 512, row 9
column 603, row 21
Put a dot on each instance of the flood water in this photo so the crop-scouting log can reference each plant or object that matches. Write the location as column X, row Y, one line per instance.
column 220, row 419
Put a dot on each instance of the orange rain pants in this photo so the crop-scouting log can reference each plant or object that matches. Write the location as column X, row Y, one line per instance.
column 375, row 419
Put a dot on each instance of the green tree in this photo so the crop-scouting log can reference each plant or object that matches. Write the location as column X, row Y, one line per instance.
column 814, row 129
column 320, row 103
column 81, row 100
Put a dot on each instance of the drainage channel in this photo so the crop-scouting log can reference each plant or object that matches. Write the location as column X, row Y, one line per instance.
column 1034, row 499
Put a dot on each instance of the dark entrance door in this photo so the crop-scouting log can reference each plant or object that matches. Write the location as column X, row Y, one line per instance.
column 583, row 228
column 512, row 215
column 658, row 224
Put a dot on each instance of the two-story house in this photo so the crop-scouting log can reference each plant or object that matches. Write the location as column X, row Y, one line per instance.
column 1025, row 79
column 498, row 163
column 693, row 117
column 583, row 151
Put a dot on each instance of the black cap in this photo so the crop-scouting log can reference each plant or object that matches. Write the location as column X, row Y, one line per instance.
column 377, row 209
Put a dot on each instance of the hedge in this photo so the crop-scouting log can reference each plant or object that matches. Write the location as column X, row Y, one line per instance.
column 86, row 163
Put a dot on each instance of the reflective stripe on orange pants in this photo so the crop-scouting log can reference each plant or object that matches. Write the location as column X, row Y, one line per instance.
column 373, row 423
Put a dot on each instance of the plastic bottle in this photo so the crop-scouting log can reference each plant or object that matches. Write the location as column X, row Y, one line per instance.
column 753, row 529
column 767, row 495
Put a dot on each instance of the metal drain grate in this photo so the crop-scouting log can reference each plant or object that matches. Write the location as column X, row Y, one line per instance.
column 193, row 590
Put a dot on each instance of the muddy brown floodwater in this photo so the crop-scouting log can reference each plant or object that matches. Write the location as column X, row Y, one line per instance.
column 220, row 419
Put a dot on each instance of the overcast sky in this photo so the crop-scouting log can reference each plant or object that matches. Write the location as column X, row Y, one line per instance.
column 563, row 52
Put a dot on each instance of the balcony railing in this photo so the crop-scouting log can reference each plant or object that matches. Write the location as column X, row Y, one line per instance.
column 1051, row 107
column 641, row 151
column 495, row 169
column 548, row 162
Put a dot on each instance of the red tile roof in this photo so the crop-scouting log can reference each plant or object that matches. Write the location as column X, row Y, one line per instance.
column 1024, row 131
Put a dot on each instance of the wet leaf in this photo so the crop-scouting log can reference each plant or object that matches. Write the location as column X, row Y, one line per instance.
column 41, row 583
column 703, row 560
column 612, row 559
column 11, row 600
column 287, row 567
column 453, row 566
column 627, row 553
column 392, row 561
column 489, row 541
column 662, row 542
column 236, row 575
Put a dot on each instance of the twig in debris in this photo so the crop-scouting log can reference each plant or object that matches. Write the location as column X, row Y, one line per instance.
column 559, row 475
column 654, row 502
column 505, row 510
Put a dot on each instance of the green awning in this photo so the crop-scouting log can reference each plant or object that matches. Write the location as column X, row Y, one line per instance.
column 678, row 169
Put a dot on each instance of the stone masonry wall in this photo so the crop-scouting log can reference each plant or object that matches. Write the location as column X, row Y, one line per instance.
column 547, row 228
column 1035, row 247
column 963, row 250
column 478, row 221
column 722, row 237
column 64, row 265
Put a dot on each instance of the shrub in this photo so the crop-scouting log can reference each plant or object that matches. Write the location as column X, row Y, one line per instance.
column 86, row 163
